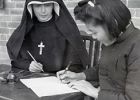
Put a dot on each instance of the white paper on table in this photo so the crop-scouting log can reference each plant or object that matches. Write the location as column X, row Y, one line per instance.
column 47, row 86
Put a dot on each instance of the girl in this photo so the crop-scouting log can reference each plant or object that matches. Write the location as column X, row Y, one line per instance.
column 109, row 21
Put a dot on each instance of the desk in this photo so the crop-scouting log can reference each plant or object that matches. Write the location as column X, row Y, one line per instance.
column 18, row 91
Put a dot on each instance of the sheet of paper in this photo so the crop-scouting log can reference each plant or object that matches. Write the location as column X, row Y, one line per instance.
column 47, row 86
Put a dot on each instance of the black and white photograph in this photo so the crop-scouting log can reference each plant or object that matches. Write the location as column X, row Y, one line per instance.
column 69, row 49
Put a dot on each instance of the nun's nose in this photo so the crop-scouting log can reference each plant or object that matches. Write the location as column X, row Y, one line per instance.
column 42, row 8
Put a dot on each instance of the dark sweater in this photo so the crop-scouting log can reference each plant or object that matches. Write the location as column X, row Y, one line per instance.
column 119, row 68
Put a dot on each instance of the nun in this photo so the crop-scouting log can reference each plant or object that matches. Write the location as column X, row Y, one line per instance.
column 47, row 39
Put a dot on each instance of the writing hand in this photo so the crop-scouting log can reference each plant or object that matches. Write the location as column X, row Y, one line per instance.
column 69, row 76
column 35, row 67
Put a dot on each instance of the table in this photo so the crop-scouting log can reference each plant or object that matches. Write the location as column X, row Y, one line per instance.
column 19, row 91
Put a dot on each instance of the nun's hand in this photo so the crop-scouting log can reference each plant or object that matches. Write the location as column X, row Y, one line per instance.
column 85, row 87
column 35, row 67
column 68, row 76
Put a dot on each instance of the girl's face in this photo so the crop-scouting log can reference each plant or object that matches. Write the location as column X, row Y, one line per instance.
column 43, row 11
column 99, row 32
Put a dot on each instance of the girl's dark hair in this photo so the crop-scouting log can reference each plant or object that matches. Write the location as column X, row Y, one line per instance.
column 111, row 12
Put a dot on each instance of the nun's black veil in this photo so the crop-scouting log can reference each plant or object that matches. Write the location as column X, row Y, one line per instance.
column 65, row 25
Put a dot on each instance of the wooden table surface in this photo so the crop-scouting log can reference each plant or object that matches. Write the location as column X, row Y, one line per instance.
column 18, row 91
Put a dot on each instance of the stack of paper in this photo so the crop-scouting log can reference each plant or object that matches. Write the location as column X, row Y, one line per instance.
column 47, row 86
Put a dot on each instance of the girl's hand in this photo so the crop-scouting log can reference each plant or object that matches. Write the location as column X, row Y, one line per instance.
column 35, row 67
column 68, row 76
column 85, row 87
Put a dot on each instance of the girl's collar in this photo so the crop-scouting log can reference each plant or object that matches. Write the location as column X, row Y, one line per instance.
column 126, row 28
column 129, row 28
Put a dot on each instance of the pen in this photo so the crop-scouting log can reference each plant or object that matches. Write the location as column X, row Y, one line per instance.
column 67, row 68
column 5, row 98
column 33, row 58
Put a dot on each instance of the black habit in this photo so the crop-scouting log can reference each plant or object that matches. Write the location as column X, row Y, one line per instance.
column 53, row 43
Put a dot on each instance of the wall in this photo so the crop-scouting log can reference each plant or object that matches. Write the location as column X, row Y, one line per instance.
column 10, row 17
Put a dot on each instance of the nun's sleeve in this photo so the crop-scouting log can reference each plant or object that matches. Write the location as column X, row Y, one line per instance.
column 132, row 86
column 22, row 61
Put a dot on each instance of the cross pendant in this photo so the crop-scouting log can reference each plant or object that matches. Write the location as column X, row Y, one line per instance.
column 41, row 46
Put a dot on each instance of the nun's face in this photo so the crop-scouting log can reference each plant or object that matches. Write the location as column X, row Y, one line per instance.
column 43, row 11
